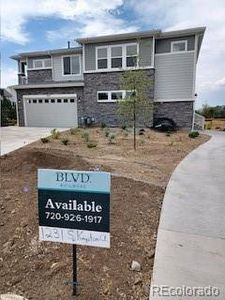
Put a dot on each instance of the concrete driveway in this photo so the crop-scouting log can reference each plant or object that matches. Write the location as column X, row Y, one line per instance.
column 190, row 250
column 14, row 137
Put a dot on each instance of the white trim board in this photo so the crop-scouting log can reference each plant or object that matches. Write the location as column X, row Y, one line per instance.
column 173, row 100
column 118, row 70
column 41, row 96
column 174, row 53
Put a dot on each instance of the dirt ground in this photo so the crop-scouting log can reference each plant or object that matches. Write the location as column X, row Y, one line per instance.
column 39, row 270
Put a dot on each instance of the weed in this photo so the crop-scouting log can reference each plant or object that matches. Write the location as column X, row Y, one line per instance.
column 193, row 134
column 86, row 136
column 73, row 131
column 103, row 125
column 107, row 132
column 45, row 140
column 65, row 142
column 111, row 138
column 55, row 134
column 92, row 144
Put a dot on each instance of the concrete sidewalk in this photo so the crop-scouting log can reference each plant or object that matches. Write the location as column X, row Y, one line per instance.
column 190, row 248
column 14, row 137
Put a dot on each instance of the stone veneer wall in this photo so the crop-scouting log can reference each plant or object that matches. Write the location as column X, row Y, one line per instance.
column 181, row 112
column 46, row 91
column 107, row 81
column 39, row 76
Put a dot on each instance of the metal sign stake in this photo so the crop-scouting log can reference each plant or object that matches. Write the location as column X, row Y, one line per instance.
column 75, row 283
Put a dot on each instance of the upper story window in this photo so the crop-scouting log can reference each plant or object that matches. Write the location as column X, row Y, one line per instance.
column 102, row 58
column 42, row 63
column 71, row 65
column 117, row 56
column 131, row 55
column 178, row 46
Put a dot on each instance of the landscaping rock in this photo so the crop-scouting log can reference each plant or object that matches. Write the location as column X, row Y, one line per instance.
column 135, row 266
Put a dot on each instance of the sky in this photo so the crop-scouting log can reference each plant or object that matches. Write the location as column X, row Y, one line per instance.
column 30, row 25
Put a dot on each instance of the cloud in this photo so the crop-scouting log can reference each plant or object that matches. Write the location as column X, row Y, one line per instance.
column 10, row 76
column 176, row 14
column 94, row 15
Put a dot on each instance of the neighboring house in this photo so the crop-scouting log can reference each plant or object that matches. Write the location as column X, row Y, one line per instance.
column 59, row 88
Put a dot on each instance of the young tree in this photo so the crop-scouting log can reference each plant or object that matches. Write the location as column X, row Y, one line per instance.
column 137, row 106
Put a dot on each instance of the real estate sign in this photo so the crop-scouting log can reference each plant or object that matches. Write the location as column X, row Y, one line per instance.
column 74, row 207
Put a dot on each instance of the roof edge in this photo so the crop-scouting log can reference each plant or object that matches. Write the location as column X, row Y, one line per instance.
column 118, row 37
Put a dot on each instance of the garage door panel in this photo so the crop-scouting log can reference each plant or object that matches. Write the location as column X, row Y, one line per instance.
column 50, row 114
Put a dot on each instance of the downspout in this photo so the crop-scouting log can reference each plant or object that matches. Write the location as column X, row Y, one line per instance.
column 194, row 81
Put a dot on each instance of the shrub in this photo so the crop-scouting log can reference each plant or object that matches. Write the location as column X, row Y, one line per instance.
column 92, row 144
column 103, row 125
column 125, row 133
column 107, row 131
column 74, row 131
column 168, row 133
column 44, row 140
column 112, row 138
column 85, row 136
column 65, row 142
column 55, row 134
column 193, row 134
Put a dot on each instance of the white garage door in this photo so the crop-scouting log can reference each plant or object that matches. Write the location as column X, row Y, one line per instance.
column 50, row 110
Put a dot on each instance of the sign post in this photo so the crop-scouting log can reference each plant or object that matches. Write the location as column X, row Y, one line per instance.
column 74, row 208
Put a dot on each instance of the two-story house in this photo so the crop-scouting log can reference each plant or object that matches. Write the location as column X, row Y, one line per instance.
column 59, row 88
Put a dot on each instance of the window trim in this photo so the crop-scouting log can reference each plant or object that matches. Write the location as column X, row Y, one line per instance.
column 109, row 57
column 110, row 100
column 177, row 42
column 62, row 57
column 43, row 67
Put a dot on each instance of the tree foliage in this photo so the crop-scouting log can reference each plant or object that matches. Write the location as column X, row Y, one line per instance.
column 212, row 111
column 136, row 108
column 8, row 112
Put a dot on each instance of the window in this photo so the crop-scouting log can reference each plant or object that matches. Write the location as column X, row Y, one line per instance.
column 71, row 65
column 65, row 100
column 103, row 96
column 72, row 100
column 116, row 57
column 110, row 96
column 42, row 63
column 116, row 95
column 39, row 100
column 131, row 56
column 102, row 58
column 46, row 101
column 178, row 46
column 59, row 100
column 34, row 101
column 52, row 100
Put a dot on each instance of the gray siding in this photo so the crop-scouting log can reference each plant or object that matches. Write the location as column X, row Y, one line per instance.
column 31, row 59
column 90, row 60
column 163, row 45
column 145, row 52
column 58, row 70
column 174, row 76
